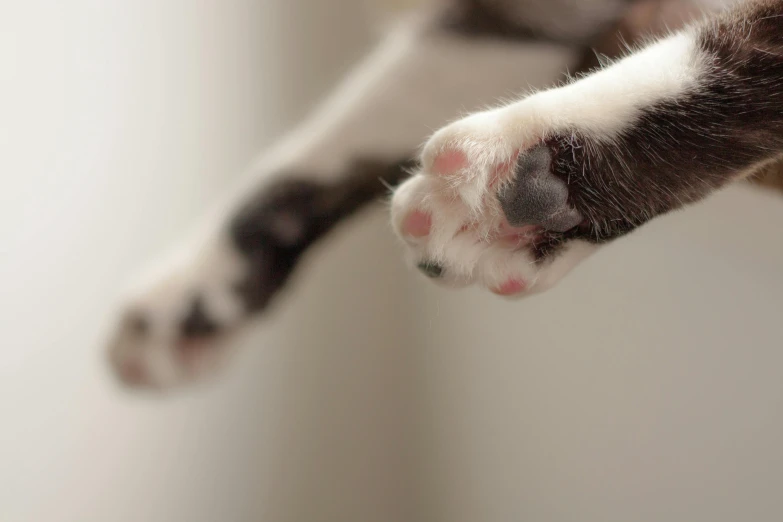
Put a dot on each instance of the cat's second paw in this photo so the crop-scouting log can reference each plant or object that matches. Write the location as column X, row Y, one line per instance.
column 174, row 325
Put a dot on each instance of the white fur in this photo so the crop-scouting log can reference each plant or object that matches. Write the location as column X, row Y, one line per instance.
column 162, row 297
column 601, row 105
column 608, row 102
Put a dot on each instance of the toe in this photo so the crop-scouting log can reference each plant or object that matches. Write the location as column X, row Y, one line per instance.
column 510, row 287
column 431, row 269
column 449, row 162
column 417, row 224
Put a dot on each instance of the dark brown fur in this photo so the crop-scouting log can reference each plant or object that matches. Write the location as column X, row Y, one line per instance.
column 644, row 20
column 680, row 151
column 318, row 207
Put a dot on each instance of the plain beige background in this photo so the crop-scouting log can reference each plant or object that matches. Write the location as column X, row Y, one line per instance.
column 646, row 387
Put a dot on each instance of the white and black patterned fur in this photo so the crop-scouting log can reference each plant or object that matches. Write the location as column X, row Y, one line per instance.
column 511, row 197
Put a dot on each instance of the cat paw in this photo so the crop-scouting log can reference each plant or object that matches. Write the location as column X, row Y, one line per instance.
column 489, row 208
column 174, row 325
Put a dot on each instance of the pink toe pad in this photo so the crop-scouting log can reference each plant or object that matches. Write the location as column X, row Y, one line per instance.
column 449, row 162
column 511, row 287
column 417, row 224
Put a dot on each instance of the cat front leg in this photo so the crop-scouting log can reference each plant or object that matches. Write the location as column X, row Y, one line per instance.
column 514, row 197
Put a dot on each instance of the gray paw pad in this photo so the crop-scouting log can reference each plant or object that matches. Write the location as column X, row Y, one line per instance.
column 536, row 196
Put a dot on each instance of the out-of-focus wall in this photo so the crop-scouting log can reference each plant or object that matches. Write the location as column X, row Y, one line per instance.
column 645, row 387
column 120, row 122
